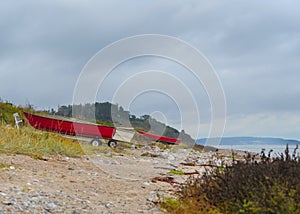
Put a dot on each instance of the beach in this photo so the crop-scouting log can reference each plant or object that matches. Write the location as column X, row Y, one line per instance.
column 129, row 182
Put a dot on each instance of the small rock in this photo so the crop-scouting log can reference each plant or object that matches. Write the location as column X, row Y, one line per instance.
column 108, row 154
column 150, row 199
column 171, row 157
column 173, row 165
column 155, row 210
column 101, row 204
column 64, row 158
column 117, row 177
column 5, row 202
column 51, row 205
column 94, row 173
column 147, row 148
column 145, row 184
column 157, row 192
column 114, row 162
column 81, row 171
column 104, row 161
column 109, row 205
column 12, row 167
column 201, row 161
column 189, row 159
column 153, row 200
column 156, row 149
column 164, row 154
column 155, row 162
column 133, row 147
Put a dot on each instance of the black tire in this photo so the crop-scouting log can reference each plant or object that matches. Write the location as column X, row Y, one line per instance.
column 112, row 143
column 96, row 142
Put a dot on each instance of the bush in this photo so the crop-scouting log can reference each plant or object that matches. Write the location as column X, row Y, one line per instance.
column 270, row 185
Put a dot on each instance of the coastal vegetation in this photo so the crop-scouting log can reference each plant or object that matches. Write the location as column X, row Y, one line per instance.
column 267, row 185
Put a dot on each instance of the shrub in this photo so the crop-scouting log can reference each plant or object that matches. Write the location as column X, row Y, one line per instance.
column 270, row 185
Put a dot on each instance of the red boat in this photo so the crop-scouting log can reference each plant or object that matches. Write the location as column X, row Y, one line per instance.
column 76, row 128
column 160, row 138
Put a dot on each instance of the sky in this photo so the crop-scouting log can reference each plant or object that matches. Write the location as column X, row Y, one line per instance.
column 253, row 46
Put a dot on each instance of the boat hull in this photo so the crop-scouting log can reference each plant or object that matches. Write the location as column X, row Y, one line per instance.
column 164, row 139
column 70, row 127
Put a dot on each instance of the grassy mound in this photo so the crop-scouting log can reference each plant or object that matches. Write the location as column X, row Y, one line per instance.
column 271, row 185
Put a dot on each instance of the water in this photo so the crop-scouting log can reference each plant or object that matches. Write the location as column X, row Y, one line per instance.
column 256, row 144
column 257, row 148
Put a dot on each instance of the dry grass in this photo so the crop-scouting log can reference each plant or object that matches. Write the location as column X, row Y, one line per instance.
column 37, row 144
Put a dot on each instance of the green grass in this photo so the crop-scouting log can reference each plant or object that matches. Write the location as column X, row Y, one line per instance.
column 176, row 172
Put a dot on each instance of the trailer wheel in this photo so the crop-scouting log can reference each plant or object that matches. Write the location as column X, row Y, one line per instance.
column 96, row 142
column 112, row 143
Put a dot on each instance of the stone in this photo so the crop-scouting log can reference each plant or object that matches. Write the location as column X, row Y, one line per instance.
column 171, row 157
column 156, row 149
column 133, row 147
column 6, row 202
column 147, row 148
column 157, row 192
column 164, row 154
column 51, row 205
column 145, row 184
column 81, row 171
column 94, row 173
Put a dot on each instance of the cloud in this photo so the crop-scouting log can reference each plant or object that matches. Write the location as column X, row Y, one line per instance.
column 254, row 47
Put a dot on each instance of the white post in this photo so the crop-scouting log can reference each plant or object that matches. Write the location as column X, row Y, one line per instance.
column 17, row 120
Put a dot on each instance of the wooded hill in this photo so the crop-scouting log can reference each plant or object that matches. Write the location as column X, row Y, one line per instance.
column 114, row 115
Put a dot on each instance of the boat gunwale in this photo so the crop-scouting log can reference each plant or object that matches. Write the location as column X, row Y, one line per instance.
column 68, row 120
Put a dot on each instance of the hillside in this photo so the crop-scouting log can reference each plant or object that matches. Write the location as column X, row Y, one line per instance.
column 113, row 114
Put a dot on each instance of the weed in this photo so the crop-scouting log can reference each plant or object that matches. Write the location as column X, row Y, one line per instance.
column 271, row 185
column 176, row 172
column 148, row 154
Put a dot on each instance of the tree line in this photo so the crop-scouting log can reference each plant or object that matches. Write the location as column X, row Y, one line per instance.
column 114, row 115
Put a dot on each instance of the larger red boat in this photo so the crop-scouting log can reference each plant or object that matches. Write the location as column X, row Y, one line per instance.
column 85, row 129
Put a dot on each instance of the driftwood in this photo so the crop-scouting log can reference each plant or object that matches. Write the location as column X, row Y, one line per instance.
column 191, row 173
column 169, row 180
column 194, row 164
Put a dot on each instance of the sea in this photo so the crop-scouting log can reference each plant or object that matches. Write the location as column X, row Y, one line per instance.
column 256, row 144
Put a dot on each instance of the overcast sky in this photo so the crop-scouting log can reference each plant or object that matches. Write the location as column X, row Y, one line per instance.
column 254, row 47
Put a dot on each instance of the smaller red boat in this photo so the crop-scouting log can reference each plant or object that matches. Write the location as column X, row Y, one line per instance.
column 160, row 138
column 76, row 128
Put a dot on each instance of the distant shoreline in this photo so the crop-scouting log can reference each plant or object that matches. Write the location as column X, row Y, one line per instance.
column 255, row 144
